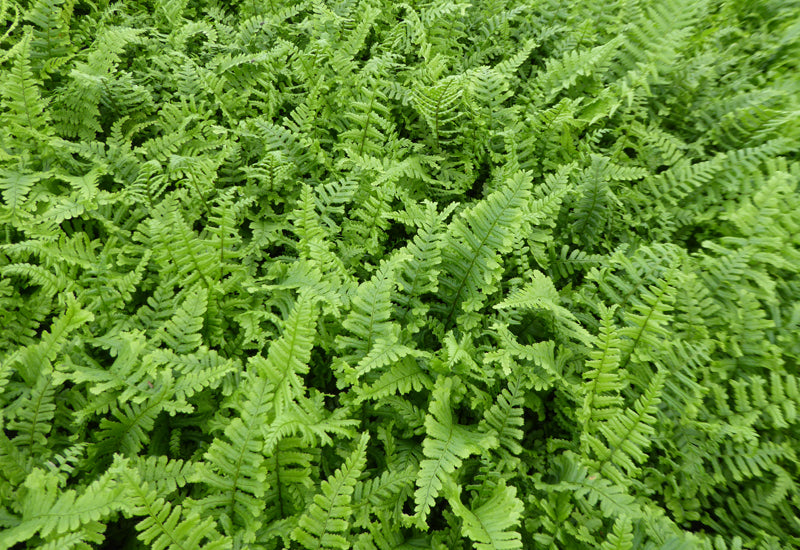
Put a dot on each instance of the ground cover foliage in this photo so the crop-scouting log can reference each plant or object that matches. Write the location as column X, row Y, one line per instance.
column 372, row 274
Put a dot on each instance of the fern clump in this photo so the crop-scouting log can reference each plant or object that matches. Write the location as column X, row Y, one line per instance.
column 374, row 275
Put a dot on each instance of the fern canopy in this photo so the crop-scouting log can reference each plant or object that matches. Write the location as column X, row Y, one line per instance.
column 386, row 275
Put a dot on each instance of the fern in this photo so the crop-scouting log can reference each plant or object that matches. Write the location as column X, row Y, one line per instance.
column 471, row 264
column 603, row 385
column 325, row 523
column 505, row 419
column 446, row 445
column 438, row 105
column 25, row 108
column 373, row 275
column 627, row 435
column 165, row 526
column 488, row 524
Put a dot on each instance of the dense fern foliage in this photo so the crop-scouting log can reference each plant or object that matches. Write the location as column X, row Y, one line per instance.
column 379, row 275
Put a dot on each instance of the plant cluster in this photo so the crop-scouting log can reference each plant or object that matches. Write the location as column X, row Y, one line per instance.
column 391, row 275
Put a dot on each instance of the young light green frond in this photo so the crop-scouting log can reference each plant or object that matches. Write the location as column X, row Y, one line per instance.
column 177, row 248
column 541, row 294
column 561, row 74
column 325, row 523
column 370, row 313
column 165, row 475
column 288, row 355
column 446, row 445
column 36, row 360
column 402, row 377
column 621, row 538
column 603, row 382
column 25, row 110
column 471, row 264
column 51, row 512
column 490, row 525
column 182, row 331
column 438, row 105
column 505, row 419
column 389, row 492
column 311, row 422
column 235, row 474
column 419, row 275
column 15, row 186
column 628, row 435
column 234, row 469
column 382, row 354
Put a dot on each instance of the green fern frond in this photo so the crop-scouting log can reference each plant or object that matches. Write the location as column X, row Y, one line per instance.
column 182, row 331
column 541, row 294
column 325, row 523
column 25, row 109
column 604, row 383
column 163, row 474
column 288, row 355
column 627, row 435
column 505, row 419
column 470, row 262
column 389, row 492
column 164, row 526
column 438, row 105
column 490, row 524
column 621, row 538
column 370, row 313
column 562, row 74
column 289, row 475
column 446, row 445
column 401, row 377
column 51, row 512
column 36, row 360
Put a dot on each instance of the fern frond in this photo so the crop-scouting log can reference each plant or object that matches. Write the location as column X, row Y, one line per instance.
column 445, row 446
column 541, row 294
column 438, row 105
column 288, row 356
column 621, row 538
column 25, row 109
column 387, row 491
column 603, row 384
column 401, row 377
column 51, row 512
column 37, row 359
column 470, row 261
column 326, row 522
column 370, row 313
column 182, row 331
column 627, row 435
column 167, row 527
column 420, row 274
column 289, row 475
column 489, row 525
column 505, row 418
column 16, row 186
column 562, row 74
column 162, row 473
